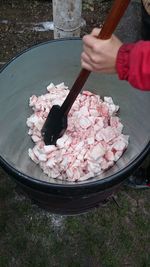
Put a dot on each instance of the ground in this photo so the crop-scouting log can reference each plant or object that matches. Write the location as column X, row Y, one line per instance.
column 110, row 236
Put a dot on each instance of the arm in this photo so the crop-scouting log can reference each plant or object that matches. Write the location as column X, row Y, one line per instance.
column 130, row 61
column 133, row 64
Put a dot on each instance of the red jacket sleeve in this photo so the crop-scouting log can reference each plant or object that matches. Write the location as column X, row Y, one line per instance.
column 133, row 64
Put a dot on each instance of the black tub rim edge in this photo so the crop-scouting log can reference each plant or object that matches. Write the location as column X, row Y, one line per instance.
column 104, row 183
column 35, row 46
column 100, row 184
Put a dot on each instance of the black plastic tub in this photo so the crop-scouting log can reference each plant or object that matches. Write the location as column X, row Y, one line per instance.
column 29, row 73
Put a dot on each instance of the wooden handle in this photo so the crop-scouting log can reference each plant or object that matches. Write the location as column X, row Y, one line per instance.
column 113, row 18
column 110, row 24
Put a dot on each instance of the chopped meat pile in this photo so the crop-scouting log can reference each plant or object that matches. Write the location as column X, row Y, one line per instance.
column 92, row 143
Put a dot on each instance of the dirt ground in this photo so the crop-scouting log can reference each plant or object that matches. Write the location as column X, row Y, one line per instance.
column 110, row 236
column 18, row 19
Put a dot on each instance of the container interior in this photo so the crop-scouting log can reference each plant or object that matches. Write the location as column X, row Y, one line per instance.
column 59, row 61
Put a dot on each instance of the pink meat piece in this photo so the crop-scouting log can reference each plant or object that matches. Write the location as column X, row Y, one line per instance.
column 116, row 125
column 95, row 99
column 87, row 93
column 108, row 134
column 118, row 154
column 84, row 122
column 119, row 145
column 33, row 156
column 61, row 141
column 111, row 106
column 98, row 134
column 109, row 155
column 93, row 112
column 51, row 163
column 40, row 144
column 94, row 167
column 100, row 122
column 92, row 142
column 105, row 165
column 32, row 101
column 35, row 138
column 83, row 111
column 103, row 109
column 97, row 152
column 114, row 121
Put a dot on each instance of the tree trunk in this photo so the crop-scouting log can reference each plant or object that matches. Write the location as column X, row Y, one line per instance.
column 67, row 18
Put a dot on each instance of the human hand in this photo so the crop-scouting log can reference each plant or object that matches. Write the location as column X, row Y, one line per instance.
column 100, row 55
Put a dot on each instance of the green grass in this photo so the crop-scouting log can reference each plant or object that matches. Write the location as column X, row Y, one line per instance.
column 106, row 237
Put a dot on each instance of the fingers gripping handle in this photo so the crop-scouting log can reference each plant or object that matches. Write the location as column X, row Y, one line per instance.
column 110, row 24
